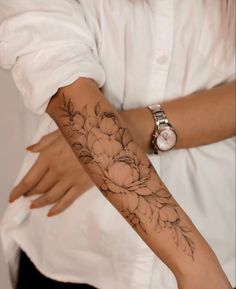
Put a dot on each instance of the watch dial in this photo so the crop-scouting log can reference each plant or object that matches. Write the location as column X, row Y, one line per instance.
column 166, row 139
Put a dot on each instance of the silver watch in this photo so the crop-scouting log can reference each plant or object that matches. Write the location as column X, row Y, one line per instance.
column 164, row 136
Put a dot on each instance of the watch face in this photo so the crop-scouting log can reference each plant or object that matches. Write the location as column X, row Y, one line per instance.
column 166, row 139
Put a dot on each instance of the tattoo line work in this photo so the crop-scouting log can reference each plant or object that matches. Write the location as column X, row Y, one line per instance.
column 123, row 173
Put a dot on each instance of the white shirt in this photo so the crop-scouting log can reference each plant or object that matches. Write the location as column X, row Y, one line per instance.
column 138, row 54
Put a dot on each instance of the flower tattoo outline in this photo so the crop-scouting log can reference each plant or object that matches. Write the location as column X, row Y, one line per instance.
column 122, row 172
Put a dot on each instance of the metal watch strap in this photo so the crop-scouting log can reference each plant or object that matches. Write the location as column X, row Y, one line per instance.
column 159, row 116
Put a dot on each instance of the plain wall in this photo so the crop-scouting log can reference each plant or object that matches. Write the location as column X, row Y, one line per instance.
column 11, row 149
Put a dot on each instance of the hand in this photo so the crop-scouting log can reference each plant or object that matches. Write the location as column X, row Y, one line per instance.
column 57, row 176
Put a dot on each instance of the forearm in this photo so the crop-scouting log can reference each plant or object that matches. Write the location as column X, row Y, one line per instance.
column 124, row 175
column 202, row 118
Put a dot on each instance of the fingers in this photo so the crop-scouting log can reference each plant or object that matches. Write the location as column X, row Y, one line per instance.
column 34, row 175
column 66, row 201
column 52, row 196
column 44, row 141
column 44, row 185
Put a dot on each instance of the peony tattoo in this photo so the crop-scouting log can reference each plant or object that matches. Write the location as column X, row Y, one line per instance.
column 123, row 173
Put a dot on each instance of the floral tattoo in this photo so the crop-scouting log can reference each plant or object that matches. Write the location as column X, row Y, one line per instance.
column 123, row 173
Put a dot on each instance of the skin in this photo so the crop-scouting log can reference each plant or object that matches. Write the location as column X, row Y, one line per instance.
column 54, row 176
column 47, row 180
column 121, row 170
column 186, row 273
column 189, row 275
column 202, row 118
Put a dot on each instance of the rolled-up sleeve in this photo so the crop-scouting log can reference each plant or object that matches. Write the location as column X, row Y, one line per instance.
column 47, row 44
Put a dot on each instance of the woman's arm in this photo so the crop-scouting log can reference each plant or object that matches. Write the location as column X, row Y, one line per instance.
column 205, row 117
column 124, row 174
column 201, row 118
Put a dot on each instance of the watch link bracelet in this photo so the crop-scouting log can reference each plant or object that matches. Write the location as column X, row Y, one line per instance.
column 164, row 136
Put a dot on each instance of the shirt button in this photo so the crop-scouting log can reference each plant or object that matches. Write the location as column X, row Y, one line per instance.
column 162, row 59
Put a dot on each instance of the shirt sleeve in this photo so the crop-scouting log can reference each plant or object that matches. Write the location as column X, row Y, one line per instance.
column 47, row 44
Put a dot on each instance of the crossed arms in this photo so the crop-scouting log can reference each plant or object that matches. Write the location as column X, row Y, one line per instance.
column 121, row 170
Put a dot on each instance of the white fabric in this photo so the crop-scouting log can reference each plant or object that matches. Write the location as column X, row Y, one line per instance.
column 139, row 54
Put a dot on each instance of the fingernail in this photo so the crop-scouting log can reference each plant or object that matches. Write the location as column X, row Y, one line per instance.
column 11, row 200
column 33, row 206
column 50, row 214
column 30, row 148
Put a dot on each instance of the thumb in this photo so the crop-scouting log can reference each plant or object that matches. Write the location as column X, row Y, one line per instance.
column 44, row 142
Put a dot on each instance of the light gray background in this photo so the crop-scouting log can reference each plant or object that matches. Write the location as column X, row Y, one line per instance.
column 12, row 142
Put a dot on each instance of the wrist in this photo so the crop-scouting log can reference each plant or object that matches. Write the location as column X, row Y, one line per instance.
column 206, row 279
column 164, row 136
column 141, row 130
column 206, row 272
